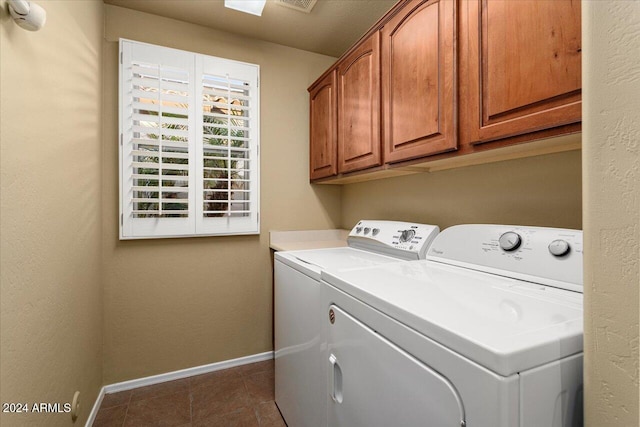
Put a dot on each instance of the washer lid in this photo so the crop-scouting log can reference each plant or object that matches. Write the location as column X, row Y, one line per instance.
column 506, row 325
column 311, row 262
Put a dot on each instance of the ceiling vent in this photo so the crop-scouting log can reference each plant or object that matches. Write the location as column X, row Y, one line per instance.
column 299, row 5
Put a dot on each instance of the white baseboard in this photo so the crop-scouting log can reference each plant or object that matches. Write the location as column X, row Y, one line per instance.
column 95, row 409
column 189, row 372
column 175, row 375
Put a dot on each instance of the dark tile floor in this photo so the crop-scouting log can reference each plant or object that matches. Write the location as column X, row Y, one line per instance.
column 241, row 396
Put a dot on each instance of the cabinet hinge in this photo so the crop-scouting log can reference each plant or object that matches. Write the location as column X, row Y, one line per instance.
column 121, row 139
column 121, row 219
column 121, row 57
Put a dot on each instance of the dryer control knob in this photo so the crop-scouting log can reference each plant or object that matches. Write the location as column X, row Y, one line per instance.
column 407, row 235
column 559, row 247
column 510, row 241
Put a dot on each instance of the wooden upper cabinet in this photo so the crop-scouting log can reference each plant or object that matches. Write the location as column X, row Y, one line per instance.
column 418, row 80
column 359, row 107
column 323, row 128
column 440, row 79
column 520, row 67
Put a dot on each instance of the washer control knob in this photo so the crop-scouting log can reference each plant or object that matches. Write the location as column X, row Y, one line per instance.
column 510, row 241
column 358, row 230
column 559, row 247
column 407, row 235
column 367, row 230
column 375, row 231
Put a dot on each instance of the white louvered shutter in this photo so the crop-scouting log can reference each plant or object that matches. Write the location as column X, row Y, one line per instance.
column 228, row 166
column 189, row 144
column 158, row 143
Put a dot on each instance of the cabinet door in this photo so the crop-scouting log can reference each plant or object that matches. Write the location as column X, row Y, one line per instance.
column 359, row 107
column 323, row 130
column 522, row 62
column 418, row 80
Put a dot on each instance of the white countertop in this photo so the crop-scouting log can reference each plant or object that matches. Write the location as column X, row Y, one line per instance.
column 307, row 239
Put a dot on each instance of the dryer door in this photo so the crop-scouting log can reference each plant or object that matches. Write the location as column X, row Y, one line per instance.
column 372, row 382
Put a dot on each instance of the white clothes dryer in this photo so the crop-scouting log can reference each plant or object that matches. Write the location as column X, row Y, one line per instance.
column 487, row 332
column 300, row 371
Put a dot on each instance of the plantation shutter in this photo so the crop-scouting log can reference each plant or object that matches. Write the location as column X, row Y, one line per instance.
column 189, row 144
column 157, row 121
column 228, row 161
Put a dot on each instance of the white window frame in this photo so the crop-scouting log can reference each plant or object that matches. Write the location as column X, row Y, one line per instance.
column 195, row 223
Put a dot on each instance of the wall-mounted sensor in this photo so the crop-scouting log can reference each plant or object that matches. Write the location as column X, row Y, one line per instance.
column 28, row 15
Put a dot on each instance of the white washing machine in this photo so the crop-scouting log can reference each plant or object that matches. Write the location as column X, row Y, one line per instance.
column 487, row 332
column 300, row 386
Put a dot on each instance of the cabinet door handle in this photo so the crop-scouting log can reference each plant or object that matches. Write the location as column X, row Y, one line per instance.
column 335, row 379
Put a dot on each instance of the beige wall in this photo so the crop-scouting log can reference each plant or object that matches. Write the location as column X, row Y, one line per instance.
column 611, row 210
column 542, row 191
column 50, row 210
column 176, row 303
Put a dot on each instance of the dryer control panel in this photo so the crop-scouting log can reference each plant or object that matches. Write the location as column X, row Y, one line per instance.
column 403, row 240
column 550, row 256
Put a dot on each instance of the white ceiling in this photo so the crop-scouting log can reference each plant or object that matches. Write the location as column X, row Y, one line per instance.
column 331, row 27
